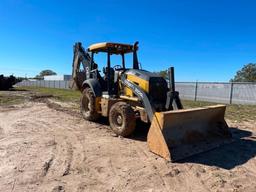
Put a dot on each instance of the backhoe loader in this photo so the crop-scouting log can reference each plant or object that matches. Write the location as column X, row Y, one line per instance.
column 125, row 94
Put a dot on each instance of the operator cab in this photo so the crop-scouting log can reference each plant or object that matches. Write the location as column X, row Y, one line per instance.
column 111, row 73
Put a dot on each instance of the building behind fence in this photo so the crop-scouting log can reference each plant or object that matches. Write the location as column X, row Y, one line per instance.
column 229, row 93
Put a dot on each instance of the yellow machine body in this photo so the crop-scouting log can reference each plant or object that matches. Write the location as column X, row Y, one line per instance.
column 143, row 84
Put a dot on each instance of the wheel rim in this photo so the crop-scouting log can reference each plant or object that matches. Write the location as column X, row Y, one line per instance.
column 119, row 119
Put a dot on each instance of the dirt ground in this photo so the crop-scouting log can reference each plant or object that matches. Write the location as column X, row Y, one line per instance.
column 44, row 147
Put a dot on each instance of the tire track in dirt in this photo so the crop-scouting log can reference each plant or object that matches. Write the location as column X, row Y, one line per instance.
column 44, row 149
column 180, row 175
column 171, row 174
column 70, row 150
column 154, row 166
column 165, row 177
column 24, row 172
column 25, row 124
column 1, row 133
column 57, row 107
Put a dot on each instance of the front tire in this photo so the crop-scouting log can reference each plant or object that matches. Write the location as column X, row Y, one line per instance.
column 122, row 119
column 88, row 105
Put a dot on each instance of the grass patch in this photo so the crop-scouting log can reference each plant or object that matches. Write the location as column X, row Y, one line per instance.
column 233, row 112
column 60, row 94
column 6, row 100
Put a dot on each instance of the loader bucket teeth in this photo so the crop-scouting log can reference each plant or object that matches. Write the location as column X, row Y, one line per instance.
column 175, row 135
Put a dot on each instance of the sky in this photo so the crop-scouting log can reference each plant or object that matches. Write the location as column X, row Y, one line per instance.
column 205, row 40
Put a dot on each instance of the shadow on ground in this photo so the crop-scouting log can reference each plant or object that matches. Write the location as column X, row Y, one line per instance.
column 229, row 155
column 140, row 132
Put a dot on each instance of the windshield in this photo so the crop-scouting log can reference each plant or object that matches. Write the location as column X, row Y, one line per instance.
column 115, row 59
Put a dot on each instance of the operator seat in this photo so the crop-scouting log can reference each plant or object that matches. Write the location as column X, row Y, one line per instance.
column 113, row 84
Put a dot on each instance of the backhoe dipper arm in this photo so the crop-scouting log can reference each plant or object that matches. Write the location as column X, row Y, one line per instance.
column 81, row 56
column 89, row 67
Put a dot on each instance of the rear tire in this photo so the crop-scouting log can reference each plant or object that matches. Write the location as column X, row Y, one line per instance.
column 88, row 105
column 122, row 119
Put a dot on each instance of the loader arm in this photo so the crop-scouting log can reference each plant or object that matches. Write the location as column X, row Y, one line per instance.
column 173, row 101
column 141, row 95
column 177, row 134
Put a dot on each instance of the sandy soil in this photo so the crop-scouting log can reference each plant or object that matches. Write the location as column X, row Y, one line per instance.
column 44, row 149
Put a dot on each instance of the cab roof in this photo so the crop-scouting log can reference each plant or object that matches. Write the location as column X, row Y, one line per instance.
column 114, row 48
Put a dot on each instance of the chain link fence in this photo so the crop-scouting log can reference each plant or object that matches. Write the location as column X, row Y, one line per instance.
column 228, row 93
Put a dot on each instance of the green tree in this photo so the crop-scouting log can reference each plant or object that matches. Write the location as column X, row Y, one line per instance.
column 47, row 72
column 164, row 74
column 246, row 74
column 43, row 73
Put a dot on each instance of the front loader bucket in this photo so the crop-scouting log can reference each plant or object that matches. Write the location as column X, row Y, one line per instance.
column 178, row 134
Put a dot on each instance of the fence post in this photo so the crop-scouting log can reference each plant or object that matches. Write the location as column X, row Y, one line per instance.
column 231, row 93
column 59, row 84
column 196, row 90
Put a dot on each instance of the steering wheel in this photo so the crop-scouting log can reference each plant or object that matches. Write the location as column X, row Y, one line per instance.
column 117, row 67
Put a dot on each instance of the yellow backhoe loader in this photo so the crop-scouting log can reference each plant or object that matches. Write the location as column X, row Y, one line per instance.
column 125, row 94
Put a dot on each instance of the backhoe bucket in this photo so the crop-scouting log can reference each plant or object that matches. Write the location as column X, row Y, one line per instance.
column 178, row 134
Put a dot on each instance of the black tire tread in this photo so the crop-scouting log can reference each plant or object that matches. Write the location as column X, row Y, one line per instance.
column 129, row 119
column 92, row 115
